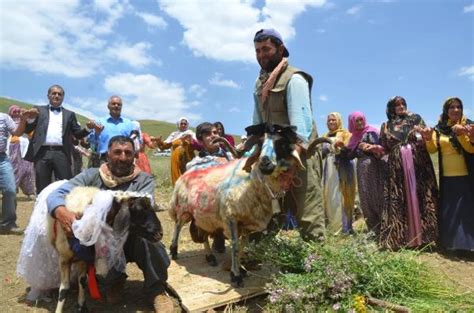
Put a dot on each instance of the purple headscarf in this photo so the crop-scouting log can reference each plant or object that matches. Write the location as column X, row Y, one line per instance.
column 358, row 134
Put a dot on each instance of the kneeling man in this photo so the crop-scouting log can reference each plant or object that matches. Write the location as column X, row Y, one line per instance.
column 120, row 173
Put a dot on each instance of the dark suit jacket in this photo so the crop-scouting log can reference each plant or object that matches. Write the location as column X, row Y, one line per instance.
column 40, row 127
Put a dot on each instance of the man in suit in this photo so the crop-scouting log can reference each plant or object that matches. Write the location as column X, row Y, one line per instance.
column 51, row 145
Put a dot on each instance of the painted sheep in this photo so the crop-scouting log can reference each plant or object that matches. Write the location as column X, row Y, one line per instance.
column 238, row 197
column 125, row 212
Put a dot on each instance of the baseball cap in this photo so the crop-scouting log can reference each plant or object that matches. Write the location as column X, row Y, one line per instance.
column 270, row 32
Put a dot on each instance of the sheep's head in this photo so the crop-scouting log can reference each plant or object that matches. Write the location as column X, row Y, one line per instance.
column 274, row 158
column 131, row 213
column 143, row 220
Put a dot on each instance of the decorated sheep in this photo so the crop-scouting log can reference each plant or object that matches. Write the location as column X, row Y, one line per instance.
column 238, row 197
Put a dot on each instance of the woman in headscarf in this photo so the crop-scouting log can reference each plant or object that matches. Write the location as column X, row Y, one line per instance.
column 338, row 177
column 181, row 144
column 142, row 140
column 453, row 139
column 365, row 145
column 409, row 215
column 23, row 170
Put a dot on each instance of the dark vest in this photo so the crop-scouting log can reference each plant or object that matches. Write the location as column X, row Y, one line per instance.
column 275, row 109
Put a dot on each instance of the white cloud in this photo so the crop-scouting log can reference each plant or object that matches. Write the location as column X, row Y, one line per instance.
column 223, row 30
column 234, row 110
column 354, row 10
column 321, row 30
column 468, row 8
column 467, row 71
column 218, row 81
column 150, row 97
column 197, row 90
column 69, row 38
column 136, row 55
column 323, row 98
column 152, row 20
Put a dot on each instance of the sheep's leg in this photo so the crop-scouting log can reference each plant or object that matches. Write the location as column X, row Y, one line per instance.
column 82, row 283
column 235, row 276
column 244, row 241
column 210, row 257
column 174, row 243
column 64, row 269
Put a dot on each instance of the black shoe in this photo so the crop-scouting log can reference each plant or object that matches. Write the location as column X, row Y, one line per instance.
column 11, row 230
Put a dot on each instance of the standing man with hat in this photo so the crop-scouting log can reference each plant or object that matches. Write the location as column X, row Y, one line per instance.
column 283, row 96
column 51, row 144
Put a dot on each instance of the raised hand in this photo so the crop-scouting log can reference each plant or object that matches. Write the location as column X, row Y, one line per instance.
column 426, row 133
column 460, row 130
column 29, row 114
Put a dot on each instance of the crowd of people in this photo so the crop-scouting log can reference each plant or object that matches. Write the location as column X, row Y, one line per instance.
column 386, row 172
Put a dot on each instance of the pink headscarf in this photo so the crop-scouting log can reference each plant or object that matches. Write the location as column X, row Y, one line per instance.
column 358, row 134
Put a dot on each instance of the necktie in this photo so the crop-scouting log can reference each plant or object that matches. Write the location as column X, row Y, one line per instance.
column 57, row 109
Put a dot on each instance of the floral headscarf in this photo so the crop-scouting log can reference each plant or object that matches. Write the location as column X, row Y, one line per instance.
column 12, row 109
column 358, row 134
column 400, row 126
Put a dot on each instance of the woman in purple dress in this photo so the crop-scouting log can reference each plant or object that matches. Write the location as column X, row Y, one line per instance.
column 23, row 170
column 365, row 145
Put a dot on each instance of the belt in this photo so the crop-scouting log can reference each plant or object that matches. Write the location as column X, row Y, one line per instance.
column 52, row 148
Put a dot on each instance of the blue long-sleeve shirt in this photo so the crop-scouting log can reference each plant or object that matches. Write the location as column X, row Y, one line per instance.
column 299, row 107
column 112, row 127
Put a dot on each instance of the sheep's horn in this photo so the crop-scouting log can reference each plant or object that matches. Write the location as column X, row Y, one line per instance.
column 229, row 147
column 312, row 146
column 252, row 159
column 296, row 155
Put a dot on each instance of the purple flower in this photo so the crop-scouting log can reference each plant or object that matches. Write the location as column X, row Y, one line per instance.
column 336, row 306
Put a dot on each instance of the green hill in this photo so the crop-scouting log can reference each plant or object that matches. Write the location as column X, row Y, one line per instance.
column 154, row 128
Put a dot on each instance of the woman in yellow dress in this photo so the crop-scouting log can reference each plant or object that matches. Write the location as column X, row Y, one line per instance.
column 339, row 184
column 181, row 144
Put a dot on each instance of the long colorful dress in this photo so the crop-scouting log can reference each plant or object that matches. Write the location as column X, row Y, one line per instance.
column 24, row 170
column 370, row 169
column 409, row 216
column 339, row 183
column 456, row 172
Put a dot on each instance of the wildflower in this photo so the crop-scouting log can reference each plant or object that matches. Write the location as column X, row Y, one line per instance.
column 336, row 306
column 308, row 262
column 359, row 304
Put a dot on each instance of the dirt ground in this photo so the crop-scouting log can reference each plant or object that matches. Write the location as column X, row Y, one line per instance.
column 12, row 288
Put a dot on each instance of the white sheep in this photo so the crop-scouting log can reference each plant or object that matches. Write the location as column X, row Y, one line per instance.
column 99, row 211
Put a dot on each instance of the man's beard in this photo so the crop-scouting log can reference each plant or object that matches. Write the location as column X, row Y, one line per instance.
column 273, row 63
column 120, row 169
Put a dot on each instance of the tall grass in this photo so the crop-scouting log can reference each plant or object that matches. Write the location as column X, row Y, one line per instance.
column 345, row 272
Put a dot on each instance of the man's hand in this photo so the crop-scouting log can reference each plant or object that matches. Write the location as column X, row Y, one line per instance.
column 29, row 114
column 97, row 127
column 65, row 218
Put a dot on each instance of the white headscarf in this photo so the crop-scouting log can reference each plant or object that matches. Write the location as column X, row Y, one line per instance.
column 179, row 133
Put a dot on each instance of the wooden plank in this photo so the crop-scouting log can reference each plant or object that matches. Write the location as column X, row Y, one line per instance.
column 202, row 287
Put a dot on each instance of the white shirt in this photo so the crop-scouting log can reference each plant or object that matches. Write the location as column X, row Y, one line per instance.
column 54, row 135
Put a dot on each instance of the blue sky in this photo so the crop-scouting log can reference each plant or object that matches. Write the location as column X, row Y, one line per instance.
column 172, row 58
